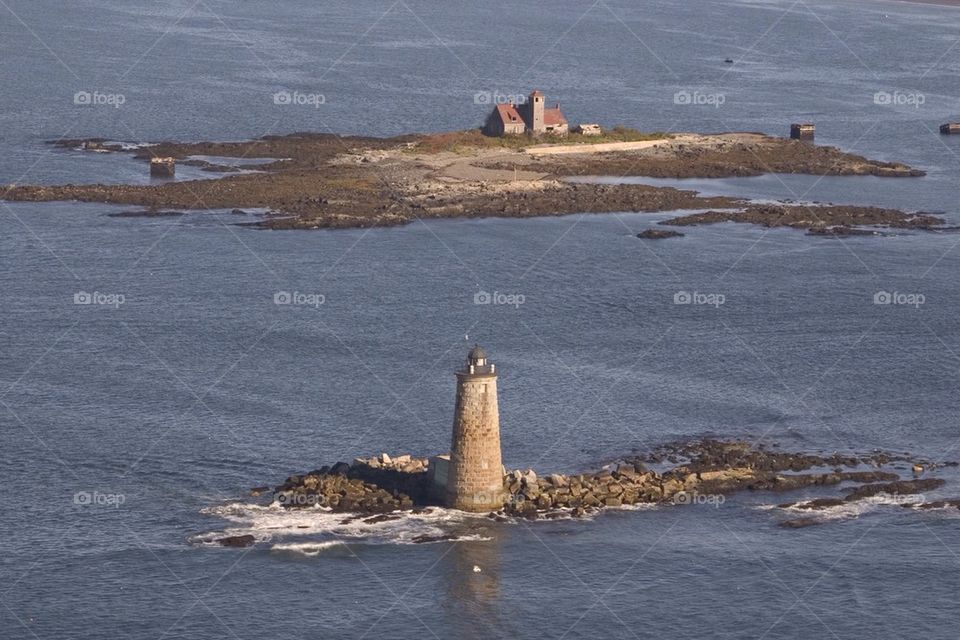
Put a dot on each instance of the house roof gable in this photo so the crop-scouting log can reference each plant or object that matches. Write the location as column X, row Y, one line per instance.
column 553, row 117
column 508, row 114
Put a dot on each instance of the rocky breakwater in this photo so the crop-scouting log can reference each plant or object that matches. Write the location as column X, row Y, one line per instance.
column 370, row 485
column 531, row 496
column 677, row 474
column 692, row 473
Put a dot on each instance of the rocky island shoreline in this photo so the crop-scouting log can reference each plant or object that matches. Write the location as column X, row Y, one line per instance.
column 325, row 181
column 386, row 487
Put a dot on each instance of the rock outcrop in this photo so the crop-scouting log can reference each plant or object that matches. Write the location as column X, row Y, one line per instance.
column 691, row 473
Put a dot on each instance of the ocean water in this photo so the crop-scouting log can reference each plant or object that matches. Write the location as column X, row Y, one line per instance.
column 131, row 431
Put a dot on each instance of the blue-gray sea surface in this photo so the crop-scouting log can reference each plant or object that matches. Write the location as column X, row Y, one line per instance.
column 133, row 429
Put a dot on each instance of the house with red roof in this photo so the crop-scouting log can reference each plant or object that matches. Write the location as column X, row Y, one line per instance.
column 530, row 117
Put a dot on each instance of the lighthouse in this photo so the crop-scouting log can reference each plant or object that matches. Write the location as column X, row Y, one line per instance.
column 475, row 475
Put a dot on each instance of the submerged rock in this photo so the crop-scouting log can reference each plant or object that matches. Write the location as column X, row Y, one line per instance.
column 819, row 503
column 901, row 487
column 237, row 541
column 937, row 504
column 800, row 523
column 146, row 213
column 381, row 518
column 658, row 234
column 427, row 538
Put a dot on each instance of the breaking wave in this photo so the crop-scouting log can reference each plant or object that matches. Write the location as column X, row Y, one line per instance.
column 848, row 510
column 314, row 530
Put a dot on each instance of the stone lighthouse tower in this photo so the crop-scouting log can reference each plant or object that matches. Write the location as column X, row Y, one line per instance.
column 475, row 476
column 535, row 102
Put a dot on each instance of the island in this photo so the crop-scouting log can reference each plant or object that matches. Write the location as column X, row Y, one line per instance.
column 327, row 181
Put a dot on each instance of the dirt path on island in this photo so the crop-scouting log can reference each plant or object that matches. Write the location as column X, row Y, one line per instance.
column 604, row 147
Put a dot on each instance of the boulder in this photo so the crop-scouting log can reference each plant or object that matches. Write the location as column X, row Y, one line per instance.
column 381, row 518
column 626, row 471
column 237, row 541
column 902, row 487
column 428, row 538
column 671, row 487
column 818, row 503
column 614, row 489
column 590, row 500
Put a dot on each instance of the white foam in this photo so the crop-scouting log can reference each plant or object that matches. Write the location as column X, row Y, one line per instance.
column 288, row 527
column 307, row 548
column 854, row 509
column 640, row 506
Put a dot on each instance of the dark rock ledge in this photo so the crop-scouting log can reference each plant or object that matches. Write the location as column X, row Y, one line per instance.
column 687, row 471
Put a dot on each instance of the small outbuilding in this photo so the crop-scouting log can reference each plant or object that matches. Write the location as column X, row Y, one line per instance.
column 588, row 129
column 802, row 131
